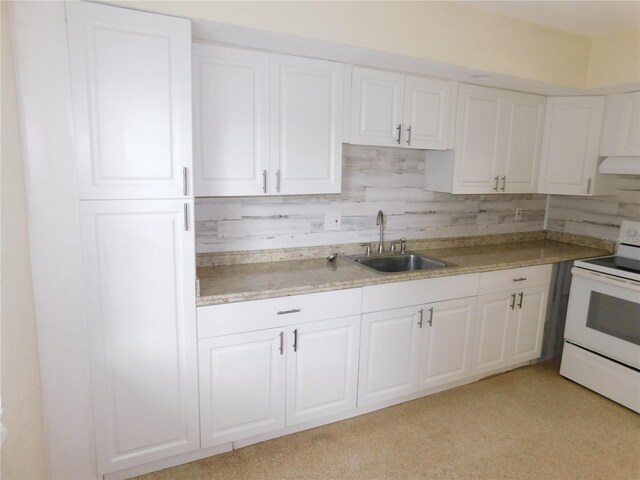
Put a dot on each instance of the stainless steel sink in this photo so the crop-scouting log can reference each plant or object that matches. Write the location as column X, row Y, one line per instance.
column 409, row 262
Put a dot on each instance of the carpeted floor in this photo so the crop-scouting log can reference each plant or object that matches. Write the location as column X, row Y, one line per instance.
column 530, row 423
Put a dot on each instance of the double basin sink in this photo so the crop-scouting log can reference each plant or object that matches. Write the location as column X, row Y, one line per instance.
column 392, row 263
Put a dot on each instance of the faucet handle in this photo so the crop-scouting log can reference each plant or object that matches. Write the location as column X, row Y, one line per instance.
column 368, row 245
column 394, row 246
column 403, row 246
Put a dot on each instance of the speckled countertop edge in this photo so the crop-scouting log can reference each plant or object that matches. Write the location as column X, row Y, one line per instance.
column 355, row 276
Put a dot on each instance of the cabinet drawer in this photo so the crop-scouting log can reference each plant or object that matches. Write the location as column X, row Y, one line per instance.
column 504, row 280
column 416, row 292
column 226, row 319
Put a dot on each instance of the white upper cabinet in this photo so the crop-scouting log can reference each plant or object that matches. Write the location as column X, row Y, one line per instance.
column 569, row 163
column 524, row 140
column 376, row 107
column 231, row 121
column 497, row 144
column 266, row 124
column 131, row 91
column 621, row 126
column 393, row 109
column 426, row 113
column 306, row 125
column 478, row 143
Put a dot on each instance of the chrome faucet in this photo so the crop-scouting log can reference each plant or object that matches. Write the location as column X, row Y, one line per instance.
column 380, row 221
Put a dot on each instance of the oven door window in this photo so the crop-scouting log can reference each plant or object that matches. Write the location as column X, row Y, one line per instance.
column 614, row 316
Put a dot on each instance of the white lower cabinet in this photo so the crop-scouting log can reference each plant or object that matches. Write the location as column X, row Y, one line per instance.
column 389, row 355
column 446, row 341
column 322, row 368
column 509, row 328
column 269, row 367
column 242, row 386
column 141, row 316
column 257, row 382
column 415, row 348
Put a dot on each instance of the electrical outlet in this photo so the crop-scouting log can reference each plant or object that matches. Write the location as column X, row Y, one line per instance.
column 518, row 215
column 332, row 221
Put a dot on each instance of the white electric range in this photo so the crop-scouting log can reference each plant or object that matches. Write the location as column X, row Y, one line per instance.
column 602, row 331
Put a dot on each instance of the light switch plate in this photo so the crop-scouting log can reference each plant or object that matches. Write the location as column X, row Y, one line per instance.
column 332, row 221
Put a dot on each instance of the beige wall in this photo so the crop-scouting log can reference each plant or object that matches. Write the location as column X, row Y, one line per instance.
column 442, row 31
column 615, row 60
column 23, row 453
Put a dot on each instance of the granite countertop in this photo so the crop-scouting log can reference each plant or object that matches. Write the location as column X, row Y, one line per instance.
column 253, row 281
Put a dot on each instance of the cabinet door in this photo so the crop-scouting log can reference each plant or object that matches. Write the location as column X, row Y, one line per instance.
column 528, row 324
column 571, row 137
column 426, row 113
column 376, row 107
column 390, row 344
column 242, row 385
column 139, row 269
column 621, row 126
column 131, row 92
column 479, row 144
column 490, row 336
column 523, row 142
column 306, row 125
column 230, row 120
column 446, row 342
column 322, row 368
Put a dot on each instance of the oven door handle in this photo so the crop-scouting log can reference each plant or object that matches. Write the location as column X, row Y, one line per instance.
column 604, row 278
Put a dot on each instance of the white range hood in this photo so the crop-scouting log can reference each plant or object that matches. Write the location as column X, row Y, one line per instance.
column 620, row 165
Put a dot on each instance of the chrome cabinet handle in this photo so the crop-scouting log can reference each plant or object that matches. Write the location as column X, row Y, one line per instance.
column 520, row 302
column 287, row 312
column 513, row 301
column 588, row 186
column 185, row 180
column 186, row 217
column 409, row 136
column 281, row 343
column 295, row 340
column 264, row 181
column 521, row 279
column 421, row 311
column 431, row 316
column 504, row 183
column 277, row 180
column 496, row 179
column 399, row 129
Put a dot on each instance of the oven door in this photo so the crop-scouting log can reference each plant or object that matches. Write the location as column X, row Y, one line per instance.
column 604, row 315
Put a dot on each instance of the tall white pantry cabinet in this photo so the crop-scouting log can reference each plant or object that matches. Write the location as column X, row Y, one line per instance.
column 131, row 95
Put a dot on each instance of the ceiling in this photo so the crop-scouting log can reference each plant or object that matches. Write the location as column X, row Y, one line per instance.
column 587, row 18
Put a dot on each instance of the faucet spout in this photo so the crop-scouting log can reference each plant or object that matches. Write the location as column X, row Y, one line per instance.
column 380, row 221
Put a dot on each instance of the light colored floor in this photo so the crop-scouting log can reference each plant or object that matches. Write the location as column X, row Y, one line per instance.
column 530, row 423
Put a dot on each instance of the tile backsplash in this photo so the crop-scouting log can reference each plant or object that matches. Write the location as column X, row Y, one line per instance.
column 598, row 217
column 373, row 178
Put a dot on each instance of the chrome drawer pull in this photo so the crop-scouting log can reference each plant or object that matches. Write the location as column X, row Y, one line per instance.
column 421, row 312
column 520, row 303
column 521, row 279
column 286, row 312
column 513, row 301
column 295, row 340
column 281, row 343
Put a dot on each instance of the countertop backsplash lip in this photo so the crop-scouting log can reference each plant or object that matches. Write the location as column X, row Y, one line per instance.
column 306, row 253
